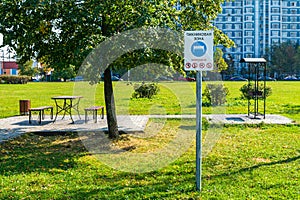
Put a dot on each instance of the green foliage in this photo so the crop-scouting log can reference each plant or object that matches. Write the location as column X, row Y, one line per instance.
column 145, row 90
column 219, row 61
column 285, row 58
column 65, row 32
column 6, row 79
column 215, row 94
column 65, row 73
column 248, row 91
column 27, row 69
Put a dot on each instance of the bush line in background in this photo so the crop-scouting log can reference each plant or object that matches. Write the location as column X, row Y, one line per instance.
column 7, row 79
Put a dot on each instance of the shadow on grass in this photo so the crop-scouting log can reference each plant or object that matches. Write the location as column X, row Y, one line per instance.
column 41, row 153
column 254, row 167
column 31, row 152
column 291, row 109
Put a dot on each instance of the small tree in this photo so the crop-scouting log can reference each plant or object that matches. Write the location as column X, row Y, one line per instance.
column 248, row 91
column 215, row 94
column 145, row 90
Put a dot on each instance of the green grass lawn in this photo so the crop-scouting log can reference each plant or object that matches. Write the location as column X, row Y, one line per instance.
column 258, row 162
column 173, row 98
column 247, row 162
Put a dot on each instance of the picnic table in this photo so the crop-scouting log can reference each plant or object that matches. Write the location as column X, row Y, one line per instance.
column 65, row 104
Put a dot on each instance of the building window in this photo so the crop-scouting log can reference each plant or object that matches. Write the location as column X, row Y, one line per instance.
column 274, row 41
column 219, row 26
column 293, row 11
column 238, row 41
column 239, row 57
column 248, row 18
column 249, row 48
column 238, row 49
column 238, row 34
column 228, row 26
column 284, row 34
column 285, row 19
column 285, row 11
column 228, row 11
column 249, row 25
column 293, row 26
column 237, row 26
column 275, row 33
column 236, row 3
column 275, row 18
column 238, row 11
column 238, row 19
column 284, row 26
column 249, row 41
column 249, row 10
column 275, row 25
column 248, row 33
column 275, row 3
column 249, row 2
column 284, row 3
column 293, row 3
column 293, row 34
column 275, row 10
column 293, row 19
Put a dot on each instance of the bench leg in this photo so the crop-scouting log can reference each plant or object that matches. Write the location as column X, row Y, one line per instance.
column 102, row 113
column 95, row 113
column 29, row 116
column 43, row 114
column 40, row 116
column 51, row 113
column 86, row 117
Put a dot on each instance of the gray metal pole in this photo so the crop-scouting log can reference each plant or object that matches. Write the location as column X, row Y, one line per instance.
column 199, row 130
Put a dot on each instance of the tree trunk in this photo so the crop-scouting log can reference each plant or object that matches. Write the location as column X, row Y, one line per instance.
column 110, row 106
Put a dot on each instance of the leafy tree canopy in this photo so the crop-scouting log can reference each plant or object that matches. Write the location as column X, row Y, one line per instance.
column 62, row 33
column 285, row 58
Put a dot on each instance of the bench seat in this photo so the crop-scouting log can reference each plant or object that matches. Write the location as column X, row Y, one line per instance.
column 94, row 109
column 41, row 112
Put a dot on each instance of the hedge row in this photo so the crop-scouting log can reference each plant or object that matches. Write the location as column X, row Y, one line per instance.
column 6, row 79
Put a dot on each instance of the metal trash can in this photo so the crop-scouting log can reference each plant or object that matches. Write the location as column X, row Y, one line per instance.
column 24, row 107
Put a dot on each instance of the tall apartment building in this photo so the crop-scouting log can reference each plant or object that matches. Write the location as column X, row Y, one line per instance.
column 255, row 25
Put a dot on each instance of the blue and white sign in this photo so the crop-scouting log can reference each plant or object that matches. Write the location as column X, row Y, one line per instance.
column 198, row 50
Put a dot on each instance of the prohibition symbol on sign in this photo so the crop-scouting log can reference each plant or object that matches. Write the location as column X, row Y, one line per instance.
column 194, row 65
column 209, row 65
column 202, row 65
column 188, row 65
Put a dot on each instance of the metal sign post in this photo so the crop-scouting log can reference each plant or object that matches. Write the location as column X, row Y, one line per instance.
column 199, row 130
column 198, row 56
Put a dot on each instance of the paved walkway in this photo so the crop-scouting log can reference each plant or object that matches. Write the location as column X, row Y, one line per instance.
column 14, row 126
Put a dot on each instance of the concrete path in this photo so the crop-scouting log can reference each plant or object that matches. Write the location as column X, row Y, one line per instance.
column 14, row 126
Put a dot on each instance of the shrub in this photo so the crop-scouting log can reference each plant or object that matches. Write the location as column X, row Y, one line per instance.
column 215, row 94
column 6, row 79
column 145, row 90
column 248, row 91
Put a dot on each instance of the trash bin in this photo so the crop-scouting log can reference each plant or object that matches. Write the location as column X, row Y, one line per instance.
column 24, row 107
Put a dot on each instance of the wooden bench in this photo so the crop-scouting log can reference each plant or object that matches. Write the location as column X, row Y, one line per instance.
column 41, row 111
column 94, row 109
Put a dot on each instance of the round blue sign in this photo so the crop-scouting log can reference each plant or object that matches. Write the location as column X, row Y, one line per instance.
column 198, row 49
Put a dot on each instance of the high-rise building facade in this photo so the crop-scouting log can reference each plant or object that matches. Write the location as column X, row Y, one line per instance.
column 255, row 25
